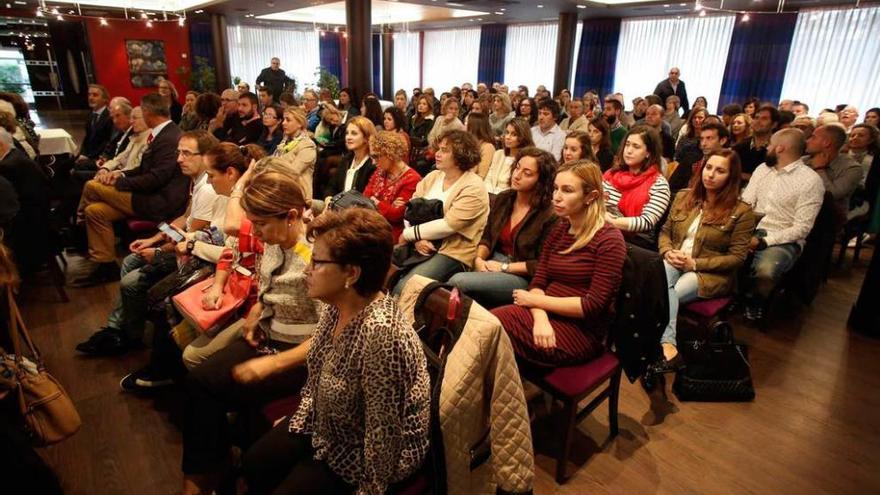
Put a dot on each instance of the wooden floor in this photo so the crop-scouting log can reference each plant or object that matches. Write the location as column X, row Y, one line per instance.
column 814, row 427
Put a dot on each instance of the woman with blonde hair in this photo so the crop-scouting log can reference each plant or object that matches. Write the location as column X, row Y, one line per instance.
column 172, row 99
column 297, row 148
column 266, row 363
column 356, row 167
column 740, row 129
column 564, row 316
column 447, row 121
column 501, row 114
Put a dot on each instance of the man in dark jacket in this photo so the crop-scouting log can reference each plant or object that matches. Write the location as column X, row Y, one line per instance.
column 673, row 86
column 99, row 127
column 120, row 115
column 28, row 229
column 244, row 126
column 157, row 190
column 274, row 79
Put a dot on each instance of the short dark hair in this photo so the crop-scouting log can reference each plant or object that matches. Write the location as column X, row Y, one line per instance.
column 155, row 104
column 719, row 128
column 774, row 113
column 614, row 103
column 653, row 99
column 465, row 148
column 786, row 117
column 207, row 105
column 287, row 98
column 551, row 105
column 732, row 109
column 357, row 237
column 837, row 133
column 397, row 116
column 205, row 140
column 263, row 89
column 800, row 103
column 21, row 107
column 251, row 97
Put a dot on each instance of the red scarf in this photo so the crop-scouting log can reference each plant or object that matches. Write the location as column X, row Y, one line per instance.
column 633, row 189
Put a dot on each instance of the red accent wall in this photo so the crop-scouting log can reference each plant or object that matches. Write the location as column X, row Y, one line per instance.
column 111, row 59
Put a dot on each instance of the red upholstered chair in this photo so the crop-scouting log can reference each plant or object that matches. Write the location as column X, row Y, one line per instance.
column 705, row 314
column 571, row 385
column 139, row 227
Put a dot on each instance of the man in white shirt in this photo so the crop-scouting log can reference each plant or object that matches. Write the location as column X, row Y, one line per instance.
column 787, row 195
column 153, row 258
column 547, row 134
column 576, row 121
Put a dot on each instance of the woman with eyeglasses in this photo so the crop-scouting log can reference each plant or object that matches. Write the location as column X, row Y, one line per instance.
column 363, row 421
column 266, row 363
column 272, row 130
column 394, row 182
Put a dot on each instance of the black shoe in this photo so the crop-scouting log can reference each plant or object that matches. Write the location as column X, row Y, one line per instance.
column 144, row 380
column 104, row 273
column 663, row 366
column 109, row 342
column 649, row 381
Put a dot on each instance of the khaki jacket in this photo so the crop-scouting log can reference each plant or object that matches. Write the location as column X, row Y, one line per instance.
column 719, row 250
column 466, row 210
column 481, row 395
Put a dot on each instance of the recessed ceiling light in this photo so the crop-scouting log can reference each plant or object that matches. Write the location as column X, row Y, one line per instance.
column 499, row 13
column 582, row 6
column 682, row 4
column 665, row 5
column 540, row 6
column 199, row 11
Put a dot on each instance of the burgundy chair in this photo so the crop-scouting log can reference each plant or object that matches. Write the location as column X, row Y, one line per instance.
column 706, row 314
column 571, row 385
column 139, row 227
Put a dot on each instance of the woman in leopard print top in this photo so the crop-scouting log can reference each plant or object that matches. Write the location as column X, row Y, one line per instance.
column 362, row 423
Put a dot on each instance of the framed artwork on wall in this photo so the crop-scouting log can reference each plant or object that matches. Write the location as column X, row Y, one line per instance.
column 146, row 62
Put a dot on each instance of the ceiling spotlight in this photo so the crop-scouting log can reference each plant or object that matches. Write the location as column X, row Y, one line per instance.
column 39, row 13
column 702, row 13
column 181, row 21
column 199, row 11
column 103, row 21
column 540, row 6
column 582, row 6
column 499, row 13
column 745, row 17
column 60, row 18
column 149, row 24
column 697, row 5
column 665, row 5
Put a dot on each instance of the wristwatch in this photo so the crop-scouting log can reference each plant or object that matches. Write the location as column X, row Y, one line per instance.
column 504, row 267
column 190, row 245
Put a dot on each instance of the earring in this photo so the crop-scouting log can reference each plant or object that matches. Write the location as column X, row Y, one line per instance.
column 346, row 285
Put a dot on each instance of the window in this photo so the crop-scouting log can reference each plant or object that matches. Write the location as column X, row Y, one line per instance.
column 530, row 55
column 251, row 49
column 451, row 58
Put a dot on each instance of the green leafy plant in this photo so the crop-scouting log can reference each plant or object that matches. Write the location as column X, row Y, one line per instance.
column 202, row 78
column 11, row 80
column 326, row 80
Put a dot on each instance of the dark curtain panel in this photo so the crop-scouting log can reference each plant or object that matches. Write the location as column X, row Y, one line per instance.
column 597, row 56
column 757, row 58
column 377, row 63
column 329, row 53
column 493, row 40
column 200, row 42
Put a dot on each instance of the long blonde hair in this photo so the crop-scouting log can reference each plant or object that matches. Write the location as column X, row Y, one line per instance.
column 594, row 218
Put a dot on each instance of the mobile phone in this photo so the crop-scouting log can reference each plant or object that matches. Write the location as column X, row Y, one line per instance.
column 170, row 232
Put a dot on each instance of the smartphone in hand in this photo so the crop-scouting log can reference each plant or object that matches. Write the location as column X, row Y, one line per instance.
column 170, row 232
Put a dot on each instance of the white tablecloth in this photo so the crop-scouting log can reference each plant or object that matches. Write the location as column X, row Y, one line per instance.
column 56, row 142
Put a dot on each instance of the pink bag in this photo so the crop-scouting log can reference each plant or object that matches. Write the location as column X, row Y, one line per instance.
column 235, row 293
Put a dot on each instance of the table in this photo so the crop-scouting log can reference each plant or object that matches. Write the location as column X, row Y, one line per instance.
column 56, row 142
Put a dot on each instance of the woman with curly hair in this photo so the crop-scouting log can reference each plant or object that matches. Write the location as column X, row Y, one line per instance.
column 393, row 183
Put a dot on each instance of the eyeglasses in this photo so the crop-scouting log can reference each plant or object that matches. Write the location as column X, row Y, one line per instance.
column 316, row 263
column 227, row 100
column 187, row 153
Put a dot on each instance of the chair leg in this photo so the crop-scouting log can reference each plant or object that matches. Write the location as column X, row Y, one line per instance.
column 613, row 395
column 58, row 278
column 858, row 248
column 841, row 254
column 569, row 411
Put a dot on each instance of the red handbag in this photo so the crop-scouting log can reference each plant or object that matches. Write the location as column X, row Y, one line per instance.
column 235, row 293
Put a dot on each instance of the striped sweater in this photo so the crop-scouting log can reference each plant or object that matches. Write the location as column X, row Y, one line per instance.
column 652, row 212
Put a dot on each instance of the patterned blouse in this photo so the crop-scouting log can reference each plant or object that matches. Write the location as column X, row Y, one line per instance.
column 367, row 399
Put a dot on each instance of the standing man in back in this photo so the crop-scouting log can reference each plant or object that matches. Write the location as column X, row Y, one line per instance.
column 673, row 86
column 274, row 79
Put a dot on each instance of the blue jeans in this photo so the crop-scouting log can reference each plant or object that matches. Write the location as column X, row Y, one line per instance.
column 768, row 267
column 129, row 287
column 490, row 289
column 683, row 287
column 440, row 267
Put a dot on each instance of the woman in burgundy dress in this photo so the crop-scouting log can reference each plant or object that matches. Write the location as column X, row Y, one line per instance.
column 563, row 317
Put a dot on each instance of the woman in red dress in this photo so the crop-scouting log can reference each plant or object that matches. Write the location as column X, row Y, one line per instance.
column 564, row 316
column 393, row 183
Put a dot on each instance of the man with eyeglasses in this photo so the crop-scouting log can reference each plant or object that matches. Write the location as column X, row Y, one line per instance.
column 673, row 86
column 313, row 111
column 229, row 106
column 244, row 126
column 153, row 258
column 155, row 190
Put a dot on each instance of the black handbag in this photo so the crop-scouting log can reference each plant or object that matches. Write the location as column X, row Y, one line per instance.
column 717, row 370
column 418, row 211
column 350, row 199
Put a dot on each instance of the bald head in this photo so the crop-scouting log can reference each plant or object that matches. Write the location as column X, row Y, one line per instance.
column 788, row 143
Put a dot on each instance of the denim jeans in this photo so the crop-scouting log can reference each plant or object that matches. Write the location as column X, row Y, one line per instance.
column 440, row 267
column 137, row 276
column 768, row 267
column 683, row 287
column 490, row 289
column 130, row 280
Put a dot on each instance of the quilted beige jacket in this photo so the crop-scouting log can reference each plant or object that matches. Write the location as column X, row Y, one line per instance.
column 481, row 394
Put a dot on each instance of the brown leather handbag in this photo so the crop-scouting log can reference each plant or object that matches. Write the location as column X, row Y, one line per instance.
column 49, row 414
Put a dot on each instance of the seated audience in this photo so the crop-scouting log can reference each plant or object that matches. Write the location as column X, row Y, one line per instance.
column 273, row 132
column 265, row 364
column 547, row 134
column 373, row 431
column 312, row 110
column 729, row 112
column 611, row 112
column 806, row 125
column 863, row 146
column 153, row 258
column 372, row 109
column 349, row 104
column 528, row 110
column 297, row 148
column 840, row 174
column 465, row 210
column 156, row 190
column 394, row 120
column 713, row 138
column 208, row 105
column 872, row 117
column 848, row 117
column 517, row 136
column 750, row 107
column 265, row 97
column 99, row 127
column 228, row 109
column 654, row 119
column 394, row 182
column 136, row 143
column 638, row 194
column 27, row 232
column 468, row 97
column 420, row 126
column 447, row 121
column 357, row 165
column 287, row 100
column 701, row 102
column 753, row 152
column 8, row 123
column 787, row 195
column 478, row 126
column 600, row 141
column 800, row 109
column 28, row 126
column 330, row 134
column 244, row 126
column 740, row 129
column 519, row 221
column 564, row 316
column 189, row 119
column 672, row 115
column 168, row 92
column 501, row 114
column 704, row 242
column 576, row 120
column 578, row 147
column 687, row 149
